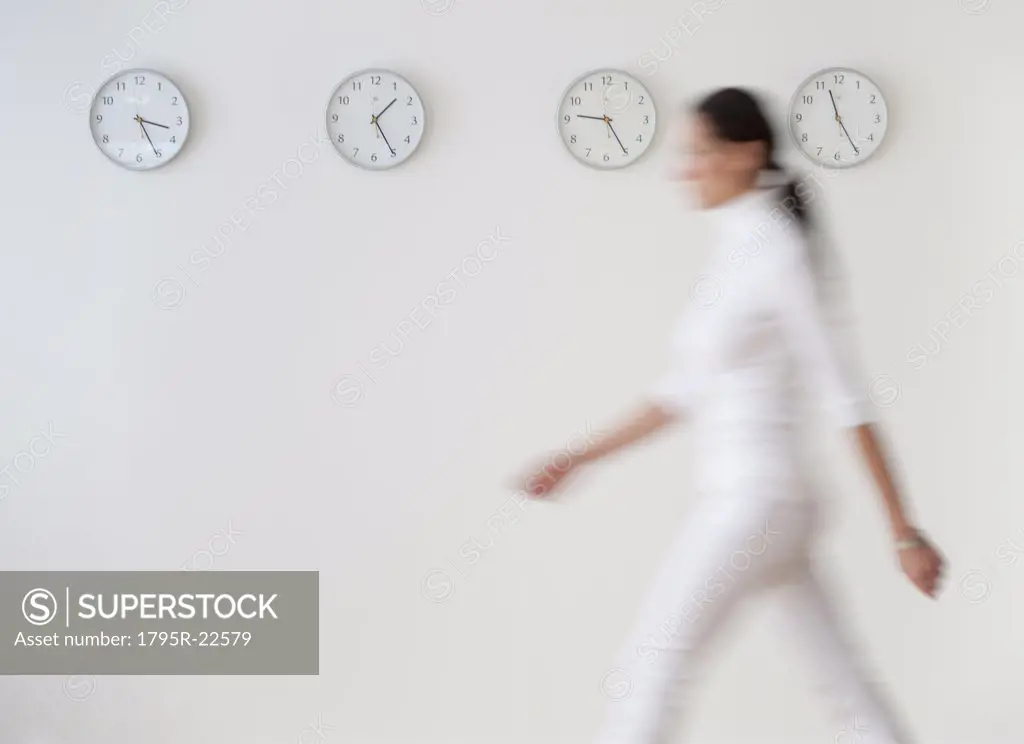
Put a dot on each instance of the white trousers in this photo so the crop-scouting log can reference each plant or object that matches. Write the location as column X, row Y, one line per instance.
column 731, row 550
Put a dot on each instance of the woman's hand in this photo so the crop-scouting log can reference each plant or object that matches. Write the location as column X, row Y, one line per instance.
column 547, row 478
column 923, row 565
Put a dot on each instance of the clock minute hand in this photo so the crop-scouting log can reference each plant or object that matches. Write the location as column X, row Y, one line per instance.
column 843, row 126
column 139, row 119
column 609, row 122
column 377, row 123
column 599, row 118
column 147, row 121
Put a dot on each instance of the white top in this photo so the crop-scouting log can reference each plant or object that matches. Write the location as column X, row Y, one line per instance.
column 755, row 338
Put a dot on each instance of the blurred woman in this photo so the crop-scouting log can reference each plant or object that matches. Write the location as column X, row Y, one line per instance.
column 745, row 355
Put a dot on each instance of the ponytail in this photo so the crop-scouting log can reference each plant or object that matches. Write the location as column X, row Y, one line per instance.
column 791, row 200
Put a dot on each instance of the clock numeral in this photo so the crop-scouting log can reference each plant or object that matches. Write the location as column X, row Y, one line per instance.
column 566, row 118
column 836, row 156
column 587, row 86
column 606, row 157
column 606, row 80
column 799, row 117
column 334, row 117
column 140, row 79
column 341, row 138
column 375, row 79
column 108, row 100
column 99, row 117
column 839, row 79
column 588, row 152
column 575, row 100
column 407, row 140
column 858, row 85
column 174, row 100
column 344, row 100
column 373, row 158
column 803, row 137
column 138, row 158
column 173, row 140
column 394, row 153
column 415, row 120
column 159, row 86
column 121, row 85
column 641, row 101
column 819, row 151
column 878, row 118
column 179, row 121
column 408, row 100
column 647, row 119
column 159, row 153
column 639, row 138
column 355, row 151
column 808, row 99
column 394, row 85
column 357, row 85
column 871, row 137
column 625, row 151
column 820, row 85
column 120, row 151
column 106, row 138
column 872, row 98
column 572, row 140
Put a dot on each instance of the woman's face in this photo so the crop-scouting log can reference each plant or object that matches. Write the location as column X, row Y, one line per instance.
column 719, row 170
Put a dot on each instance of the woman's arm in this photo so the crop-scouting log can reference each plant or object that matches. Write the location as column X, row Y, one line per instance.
column 919, row 559
column 871, row 449
column 645, row 422
column 816, row 346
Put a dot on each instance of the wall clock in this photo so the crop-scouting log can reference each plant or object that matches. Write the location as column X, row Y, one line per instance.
column 838, row 117
column 375, row 119
column 139, row 119
column 607, row 119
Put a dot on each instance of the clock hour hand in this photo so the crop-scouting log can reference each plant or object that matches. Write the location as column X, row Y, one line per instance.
column 385, row 108
column 599, row 118
column 838, row 118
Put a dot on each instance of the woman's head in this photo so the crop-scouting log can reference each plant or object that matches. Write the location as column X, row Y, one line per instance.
column 731, row 143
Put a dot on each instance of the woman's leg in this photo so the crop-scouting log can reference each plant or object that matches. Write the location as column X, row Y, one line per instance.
column 728, row 550
column 860, row 712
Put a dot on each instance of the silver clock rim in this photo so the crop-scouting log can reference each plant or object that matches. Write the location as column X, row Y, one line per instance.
column 349, row 78
column 792, row 131
column 184, row 100
column 558, row 127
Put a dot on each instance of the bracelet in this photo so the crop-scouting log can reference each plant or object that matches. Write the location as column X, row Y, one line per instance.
column 915, row 542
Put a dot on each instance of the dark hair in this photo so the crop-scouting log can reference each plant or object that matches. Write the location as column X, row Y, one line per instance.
column 735, row 115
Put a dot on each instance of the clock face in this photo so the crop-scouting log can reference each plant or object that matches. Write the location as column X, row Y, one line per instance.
column 607, row 119
column 375, row 119
column 838, row 118
column 139, row 119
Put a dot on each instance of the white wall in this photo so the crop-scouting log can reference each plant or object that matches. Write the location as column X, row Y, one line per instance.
column 182, row 421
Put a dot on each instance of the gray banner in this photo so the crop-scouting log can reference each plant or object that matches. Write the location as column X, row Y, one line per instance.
column 160, row 622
